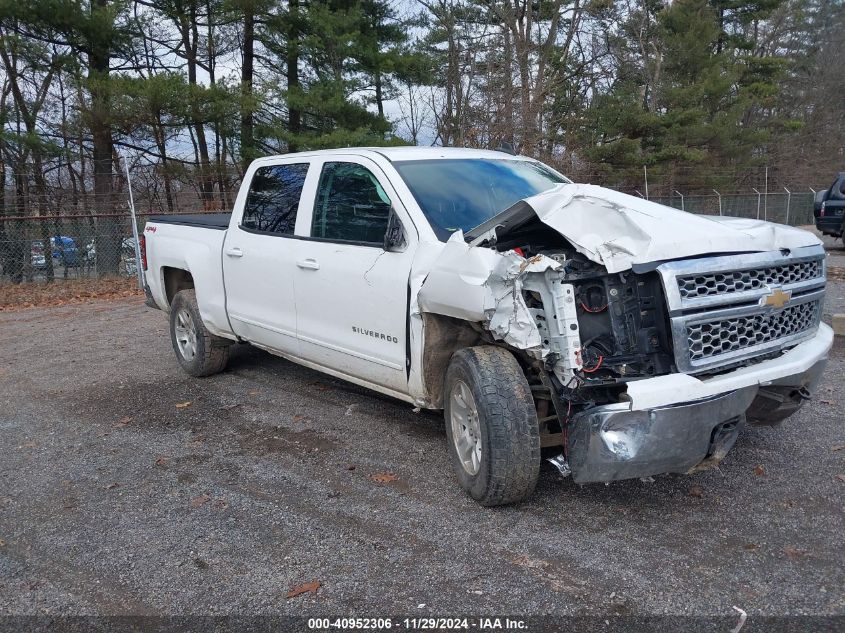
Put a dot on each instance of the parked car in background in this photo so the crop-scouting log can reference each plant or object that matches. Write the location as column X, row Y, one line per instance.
column 36, row 256
column 829, row 208
column 63, row 250
column 128, row 262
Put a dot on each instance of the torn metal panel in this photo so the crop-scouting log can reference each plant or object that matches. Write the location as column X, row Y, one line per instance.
column 484, row 286
column 619, row 231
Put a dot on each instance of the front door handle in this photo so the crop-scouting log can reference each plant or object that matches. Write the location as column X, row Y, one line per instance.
column 234, row 252
column 310, row 264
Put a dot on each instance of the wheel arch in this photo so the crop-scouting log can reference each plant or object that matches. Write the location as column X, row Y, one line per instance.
column 176, row 279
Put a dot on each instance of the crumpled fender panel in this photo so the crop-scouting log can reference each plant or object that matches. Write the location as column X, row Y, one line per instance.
column 484, row 286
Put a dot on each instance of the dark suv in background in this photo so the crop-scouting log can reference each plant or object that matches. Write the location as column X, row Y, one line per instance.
column 829, row 208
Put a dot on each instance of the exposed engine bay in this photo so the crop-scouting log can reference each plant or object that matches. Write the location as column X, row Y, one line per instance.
column 599, row 330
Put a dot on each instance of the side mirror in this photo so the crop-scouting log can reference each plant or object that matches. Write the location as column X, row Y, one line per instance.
column 394, row 236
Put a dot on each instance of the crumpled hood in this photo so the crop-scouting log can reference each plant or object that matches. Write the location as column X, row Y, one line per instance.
column 619, row 231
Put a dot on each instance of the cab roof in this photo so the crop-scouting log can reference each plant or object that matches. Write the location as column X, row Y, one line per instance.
column 415, row 153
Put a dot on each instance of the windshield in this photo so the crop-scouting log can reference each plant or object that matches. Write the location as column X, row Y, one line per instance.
column 462, row 193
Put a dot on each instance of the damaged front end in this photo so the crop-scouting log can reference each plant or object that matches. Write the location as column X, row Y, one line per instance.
column 622, row 389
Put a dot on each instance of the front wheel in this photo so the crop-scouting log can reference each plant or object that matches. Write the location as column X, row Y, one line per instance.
column 199, row 352
column 491, row 426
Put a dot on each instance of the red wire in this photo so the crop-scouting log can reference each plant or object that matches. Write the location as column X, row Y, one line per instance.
column 586, row 309
column 592, row 369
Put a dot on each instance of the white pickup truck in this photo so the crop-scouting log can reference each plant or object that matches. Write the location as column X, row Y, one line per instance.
column 619, row 337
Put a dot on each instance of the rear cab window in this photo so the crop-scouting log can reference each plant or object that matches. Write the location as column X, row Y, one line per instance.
column 273, row 199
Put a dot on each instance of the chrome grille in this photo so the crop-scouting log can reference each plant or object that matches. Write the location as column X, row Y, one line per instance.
column 722, row 312
column 712, row 338
column 720, row 283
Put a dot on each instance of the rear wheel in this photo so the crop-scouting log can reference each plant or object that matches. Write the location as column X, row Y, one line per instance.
column 491, row 425
column 199, row 352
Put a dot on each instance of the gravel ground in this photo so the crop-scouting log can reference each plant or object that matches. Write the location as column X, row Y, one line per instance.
column 835, row 250
column 130, row 487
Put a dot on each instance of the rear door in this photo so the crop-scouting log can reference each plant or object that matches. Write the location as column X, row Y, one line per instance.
column 260, row 254
column 351, row 294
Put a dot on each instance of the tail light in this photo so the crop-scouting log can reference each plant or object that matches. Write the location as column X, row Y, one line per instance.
column 142, row 241
column 821, row 213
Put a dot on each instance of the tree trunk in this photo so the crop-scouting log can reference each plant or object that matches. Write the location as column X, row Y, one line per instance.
column 247, row 120
column 379, row 95
column 294, row 114
column 108, row 234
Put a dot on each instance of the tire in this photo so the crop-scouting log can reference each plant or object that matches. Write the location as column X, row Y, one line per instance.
column 503, row 464
column 199, row 352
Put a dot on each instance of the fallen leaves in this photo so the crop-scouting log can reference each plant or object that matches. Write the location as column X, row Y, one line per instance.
column 122, row 422
column 112, row 486
column 308, row 587
column 837, row 447
column 196, row 502
column 161, row 461
column 2, row 542
column 759, row 470
column 183, row 405
column 793, row 553
column 383, row 478
column 65, row 292
column 750, row 547
column 841, row 477
column 696, row 491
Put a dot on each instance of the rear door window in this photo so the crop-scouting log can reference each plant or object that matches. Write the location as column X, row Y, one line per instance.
column 273, row 198
column 351, row 205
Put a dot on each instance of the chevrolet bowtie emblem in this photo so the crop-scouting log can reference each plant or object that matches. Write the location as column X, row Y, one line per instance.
column 776, row 299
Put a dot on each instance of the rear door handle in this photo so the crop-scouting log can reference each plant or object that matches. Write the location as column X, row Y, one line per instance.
column 310, row 264
column 234, row 252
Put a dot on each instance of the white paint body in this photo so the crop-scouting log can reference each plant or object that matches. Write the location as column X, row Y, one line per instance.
column 301, row 299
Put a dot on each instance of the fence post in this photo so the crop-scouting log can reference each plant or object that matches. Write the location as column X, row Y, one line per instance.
column 788, row 201
column 138, row 268
column 766, row 197
column 645, row 177
column 636, row 191
column 720, row 200
column 682, row 199
column 758, row 201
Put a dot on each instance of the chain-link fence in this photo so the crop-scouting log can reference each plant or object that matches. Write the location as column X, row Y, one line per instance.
column 795, row 209
column 57, row 247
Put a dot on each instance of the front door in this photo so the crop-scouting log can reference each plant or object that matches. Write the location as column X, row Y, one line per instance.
column 351, row 294
column 259, row 258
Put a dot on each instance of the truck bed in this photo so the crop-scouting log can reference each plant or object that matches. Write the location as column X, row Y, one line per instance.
column 219, row 221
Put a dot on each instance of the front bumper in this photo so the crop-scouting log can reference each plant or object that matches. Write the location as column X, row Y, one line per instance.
column 685, row 425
